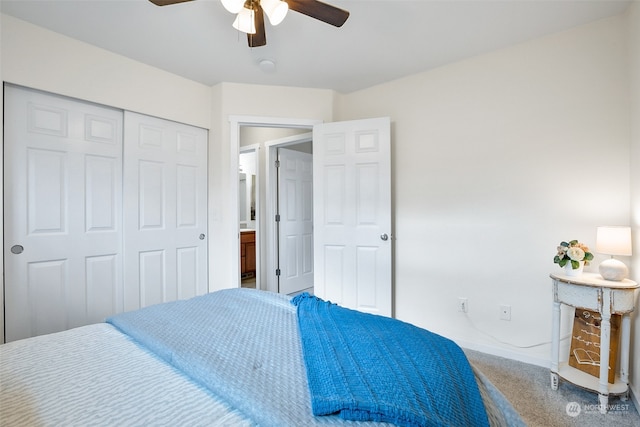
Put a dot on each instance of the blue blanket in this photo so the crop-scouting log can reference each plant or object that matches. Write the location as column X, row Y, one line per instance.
column 241, row 344
column 367, row 367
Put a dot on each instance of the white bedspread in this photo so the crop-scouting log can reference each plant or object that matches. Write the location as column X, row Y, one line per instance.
column 89, row 377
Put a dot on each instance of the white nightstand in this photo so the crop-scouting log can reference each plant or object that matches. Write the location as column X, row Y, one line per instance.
column 592, row 292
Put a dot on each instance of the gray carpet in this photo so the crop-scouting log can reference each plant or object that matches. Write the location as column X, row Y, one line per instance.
column 528, row 389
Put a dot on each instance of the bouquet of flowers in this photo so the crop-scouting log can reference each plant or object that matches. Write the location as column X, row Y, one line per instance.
column 572, row 252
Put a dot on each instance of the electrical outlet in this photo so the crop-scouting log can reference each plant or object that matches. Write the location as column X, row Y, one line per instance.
column 463, row 305
column 505, row 312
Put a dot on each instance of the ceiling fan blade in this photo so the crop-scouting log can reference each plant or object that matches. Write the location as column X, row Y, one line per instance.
column 260, row 37
column 167, row 2
column 319, row 10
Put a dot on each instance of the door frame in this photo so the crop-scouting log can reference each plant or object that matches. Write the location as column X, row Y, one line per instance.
column 271, row 154
column 235, row 123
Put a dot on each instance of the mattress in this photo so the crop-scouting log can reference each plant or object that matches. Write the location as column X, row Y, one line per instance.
column 96, row 376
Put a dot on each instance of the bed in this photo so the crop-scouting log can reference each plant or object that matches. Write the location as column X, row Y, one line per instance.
column 237, row 357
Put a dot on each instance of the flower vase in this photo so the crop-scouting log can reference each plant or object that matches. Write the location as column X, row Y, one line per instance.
column 570, row 271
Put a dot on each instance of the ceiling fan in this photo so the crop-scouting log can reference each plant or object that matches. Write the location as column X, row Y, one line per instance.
column 250, row 14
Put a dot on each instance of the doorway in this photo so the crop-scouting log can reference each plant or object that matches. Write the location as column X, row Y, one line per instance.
column 351, row 183
column 262, row 135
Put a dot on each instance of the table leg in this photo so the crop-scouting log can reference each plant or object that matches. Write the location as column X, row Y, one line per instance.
column 605, row 343
column 554, row 381
column 604, row 402
column 555, row 344
column 625, row 343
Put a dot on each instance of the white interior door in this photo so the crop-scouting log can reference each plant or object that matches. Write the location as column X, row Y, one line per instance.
column 352, row 214
column 62, row 229
column 295, row 237
column 165, row 205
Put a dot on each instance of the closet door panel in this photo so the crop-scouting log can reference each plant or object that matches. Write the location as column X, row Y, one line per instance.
column 151, row 191
column 62, row 196
column 102, row 195
column 165, row 179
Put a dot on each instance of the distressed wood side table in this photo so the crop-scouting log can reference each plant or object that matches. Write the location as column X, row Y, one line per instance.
column 607, row 297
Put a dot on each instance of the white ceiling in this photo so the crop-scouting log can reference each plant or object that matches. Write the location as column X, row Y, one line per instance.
column 381, row 41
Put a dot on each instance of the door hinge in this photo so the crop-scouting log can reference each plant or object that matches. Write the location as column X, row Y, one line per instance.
column 277, row 217
column 277, row 272
column 277, row 163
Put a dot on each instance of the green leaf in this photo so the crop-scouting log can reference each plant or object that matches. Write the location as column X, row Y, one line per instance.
column 588, row 256
column 556, row 259
column 565, row 244
column 575, row 264
column 573, row 242
column 562, row 262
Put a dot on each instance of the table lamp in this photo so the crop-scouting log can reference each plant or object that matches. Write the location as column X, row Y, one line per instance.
column 613, row 241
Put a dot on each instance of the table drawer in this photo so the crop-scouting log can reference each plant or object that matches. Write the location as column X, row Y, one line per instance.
column 579, row 296
column 622, row 300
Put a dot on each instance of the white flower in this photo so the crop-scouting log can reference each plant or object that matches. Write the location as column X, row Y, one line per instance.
column 575, row 253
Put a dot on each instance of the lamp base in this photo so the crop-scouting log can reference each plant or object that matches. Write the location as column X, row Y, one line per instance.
column 613, row 269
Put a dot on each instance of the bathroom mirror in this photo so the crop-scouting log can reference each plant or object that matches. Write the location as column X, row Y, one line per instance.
column 247, row 191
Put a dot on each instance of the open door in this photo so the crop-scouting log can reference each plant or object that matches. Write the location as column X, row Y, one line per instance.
column 352, row 214
column 295, row 231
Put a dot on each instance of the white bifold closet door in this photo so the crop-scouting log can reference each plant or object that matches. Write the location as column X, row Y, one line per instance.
column 74, row 181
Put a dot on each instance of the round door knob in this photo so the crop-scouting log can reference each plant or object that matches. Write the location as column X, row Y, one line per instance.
column 201, row 237
column 384, row 236
column 17, row 249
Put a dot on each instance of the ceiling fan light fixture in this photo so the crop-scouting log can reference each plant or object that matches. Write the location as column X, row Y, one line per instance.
column 233, row 6
column 245, row 21
column 250, row 14
column 276, row 10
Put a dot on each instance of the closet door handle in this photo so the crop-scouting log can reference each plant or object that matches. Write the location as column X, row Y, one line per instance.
column 17, row 249
column 201, row 237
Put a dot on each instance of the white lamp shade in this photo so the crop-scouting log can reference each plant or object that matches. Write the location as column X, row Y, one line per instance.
column 614, row 241
column 276, row 10
column 233, row 6
column 245, row 21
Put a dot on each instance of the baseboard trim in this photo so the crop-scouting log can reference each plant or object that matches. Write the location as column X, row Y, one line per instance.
column 635, row 397
column 502, row 352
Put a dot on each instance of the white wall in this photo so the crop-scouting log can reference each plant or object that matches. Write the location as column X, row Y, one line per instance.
column 633, row 26
column 38, row 58
column 250, row 135
column 496, row 160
